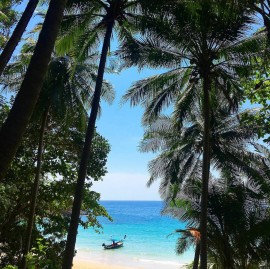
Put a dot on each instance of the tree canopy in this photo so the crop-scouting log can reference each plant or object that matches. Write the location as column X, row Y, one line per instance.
column 63, row 148
column 213, row 167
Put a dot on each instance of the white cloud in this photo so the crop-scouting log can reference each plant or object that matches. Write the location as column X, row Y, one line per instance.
column 126, row 186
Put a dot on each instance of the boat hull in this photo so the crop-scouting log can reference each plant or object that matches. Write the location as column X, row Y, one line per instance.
column 113, row 246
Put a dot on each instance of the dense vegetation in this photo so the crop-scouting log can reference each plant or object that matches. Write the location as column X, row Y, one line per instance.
column 212, row 165
column 62, row 147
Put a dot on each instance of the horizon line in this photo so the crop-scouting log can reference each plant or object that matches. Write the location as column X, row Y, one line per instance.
column 107, row 200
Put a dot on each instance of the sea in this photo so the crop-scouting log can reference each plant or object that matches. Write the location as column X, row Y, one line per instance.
column 150, row 239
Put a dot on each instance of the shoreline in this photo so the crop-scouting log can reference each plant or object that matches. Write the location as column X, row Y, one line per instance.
column 86, row 260
column 147, row 245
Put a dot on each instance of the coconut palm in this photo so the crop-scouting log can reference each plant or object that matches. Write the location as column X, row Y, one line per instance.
column 238, row 217
column 201, row 42
column 179, row 159
column 180, row 151
column 86, row 22
column 13, row 128
column 17, row 34
column 179, row 162
column 66, row 94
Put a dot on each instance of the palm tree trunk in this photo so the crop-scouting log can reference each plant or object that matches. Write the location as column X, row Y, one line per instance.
column 31, row 217
column 75, row 215
column 206, row 170
column 17, row 34
column 196, row 256
column 15, row 125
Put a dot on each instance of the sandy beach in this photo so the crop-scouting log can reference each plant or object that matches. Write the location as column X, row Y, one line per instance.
column 81, row 264
column 81, row 261
column 85, row 260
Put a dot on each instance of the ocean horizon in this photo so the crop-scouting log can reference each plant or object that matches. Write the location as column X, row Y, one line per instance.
column 149, row 243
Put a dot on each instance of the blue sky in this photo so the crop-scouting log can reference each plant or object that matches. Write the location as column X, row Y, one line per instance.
column 121, row 125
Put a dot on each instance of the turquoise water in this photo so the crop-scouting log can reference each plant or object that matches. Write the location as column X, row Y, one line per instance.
column 146, row 233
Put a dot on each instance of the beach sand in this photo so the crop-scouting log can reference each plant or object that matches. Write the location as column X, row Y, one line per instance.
column 84, row 260
column 80, row 264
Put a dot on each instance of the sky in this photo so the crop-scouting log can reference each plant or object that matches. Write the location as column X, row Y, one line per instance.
column 121, row 125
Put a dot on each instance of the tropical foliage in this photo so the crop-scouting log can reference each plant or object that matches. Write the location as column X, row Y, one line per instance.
column 180, row 151
column 207, row 56
column 63, row 147
column 8, row 17
column 257, row 92
column 214, row 172
column 238, row 219
column 86, row 30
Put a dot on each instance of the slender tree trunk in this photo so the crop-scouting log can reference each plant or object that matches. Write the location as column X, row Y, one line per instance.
column 196, row 256
column 15, row 125
column 31, row 217
column 206, row 169
column 74, row 222
column 17, row 34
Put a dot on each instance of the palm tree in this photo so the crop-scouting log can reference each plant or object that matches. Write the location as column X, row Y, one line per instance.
column 12, row 130
column 17, row 34
column 85, row 22
column 238, row 217
column 180, row 151
column 179, row 162
column 66, row 94
column 179, row 159
column 179, row 166
column 202, row 43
